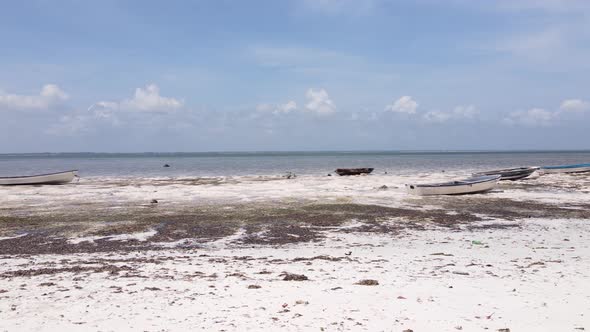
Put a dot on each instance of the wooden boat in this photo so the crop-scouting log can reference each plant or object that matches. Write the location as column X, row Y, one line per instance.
column 52, row 178
column 467, row 186
column 510, row 173
column 353, row 171
column 578, row 168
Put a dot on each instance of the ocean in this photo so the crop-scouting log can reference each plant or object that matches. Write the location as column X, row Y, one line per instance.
column 274, row 163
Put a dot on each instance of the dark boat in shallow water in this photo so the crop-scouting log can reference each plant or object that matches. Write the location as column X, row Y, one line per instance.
column 510, row 173
column 353, row 171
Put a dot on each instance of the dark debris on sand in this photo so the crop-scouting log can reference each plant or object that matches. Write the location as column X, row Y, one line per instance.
column 293, row 276
column 261, row 223
column 368, row 282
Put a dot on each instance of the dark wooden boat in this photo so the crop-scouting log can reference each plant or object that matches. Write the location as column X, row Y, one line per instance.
column 511, row 173
column 353, row 171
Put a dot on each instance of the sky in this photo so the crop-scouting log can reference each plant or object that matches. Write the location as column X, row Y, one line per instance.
column 268, row 75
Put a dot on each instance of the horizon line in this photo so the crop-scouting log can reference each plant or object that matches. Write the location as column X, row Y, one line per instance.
column 301, row 151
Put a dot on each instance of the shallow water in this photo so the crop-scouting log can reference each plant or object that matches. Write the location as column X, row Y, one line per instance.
column 272, row 163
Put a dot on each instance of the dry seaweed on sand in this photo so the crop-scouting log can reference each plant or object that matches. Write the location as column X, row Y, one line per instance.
column 293, row 276
column 367, row 282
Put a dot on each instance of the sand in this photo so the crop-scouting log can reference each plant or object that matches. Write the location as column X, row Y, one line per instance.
column 213, row 254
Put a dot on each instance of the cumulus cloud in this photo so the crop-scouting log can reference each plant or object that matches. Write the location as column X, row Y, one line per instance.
column 113, row 113
column 403, row 105
column 532, row 118
column 104, row 109
column 542, row 117
column 146, row 99
column 285, row 108
column 318, row 101
column 574, row 105
column 468, row 112
column 436, row 116
column 149, row 100
column 50, row 95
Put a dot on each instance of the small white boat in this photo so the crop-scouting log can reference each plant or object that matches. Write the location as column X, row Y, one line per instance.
column 578, row 168
column 510, row 173
column 52, row 178
column 467, row 186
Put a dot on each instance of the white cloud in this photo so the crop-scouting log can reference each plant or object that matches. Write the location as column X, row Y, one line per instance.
column 465, row 112
column 111, row 113
column 146, row 99
column 50, row 95
column 574, row 105
column 436, row 116
column 532, row 118
column 285, row 108
column 318, row 101
column 149, row 100
column 53, row 92
column 468, row 112
column 403, row 105
column 542, row 117
column 104, row 109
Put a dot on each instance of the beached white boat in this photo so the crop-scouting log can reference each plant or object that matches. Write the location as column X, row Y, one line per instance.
column 52, row 178
column 510, row 173
column 467, row 186
column 578, row 168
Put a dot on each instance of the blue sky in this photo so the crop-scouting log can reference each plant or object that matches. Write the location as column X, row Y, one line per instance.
column 124, row 76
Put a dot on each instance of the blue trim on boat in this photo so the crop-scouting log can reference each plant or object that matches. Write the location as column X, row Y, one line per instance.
column 566, row 166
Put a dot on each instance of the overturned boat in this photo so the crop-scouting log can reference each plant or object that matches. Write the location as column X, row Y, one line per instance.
column 471, row 185
column 577, row 168
column 353, row 171
column 51, row 178
column 510, row 173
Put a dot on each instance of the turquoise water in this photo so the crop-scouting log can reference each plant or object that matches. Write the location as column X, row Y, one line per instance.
column 271, row 163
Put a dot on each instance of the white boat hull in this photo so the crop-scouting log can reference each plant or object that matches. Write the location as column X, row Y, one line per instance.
column 54, row 178
column 456, row 188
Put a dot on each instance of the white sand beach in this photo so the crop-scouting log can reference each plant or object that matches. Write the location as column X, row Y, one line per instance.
column 500, row 269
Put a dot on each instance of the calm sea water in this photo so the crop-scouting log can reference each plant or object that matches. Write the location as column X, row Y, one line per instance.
column 271, row 163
